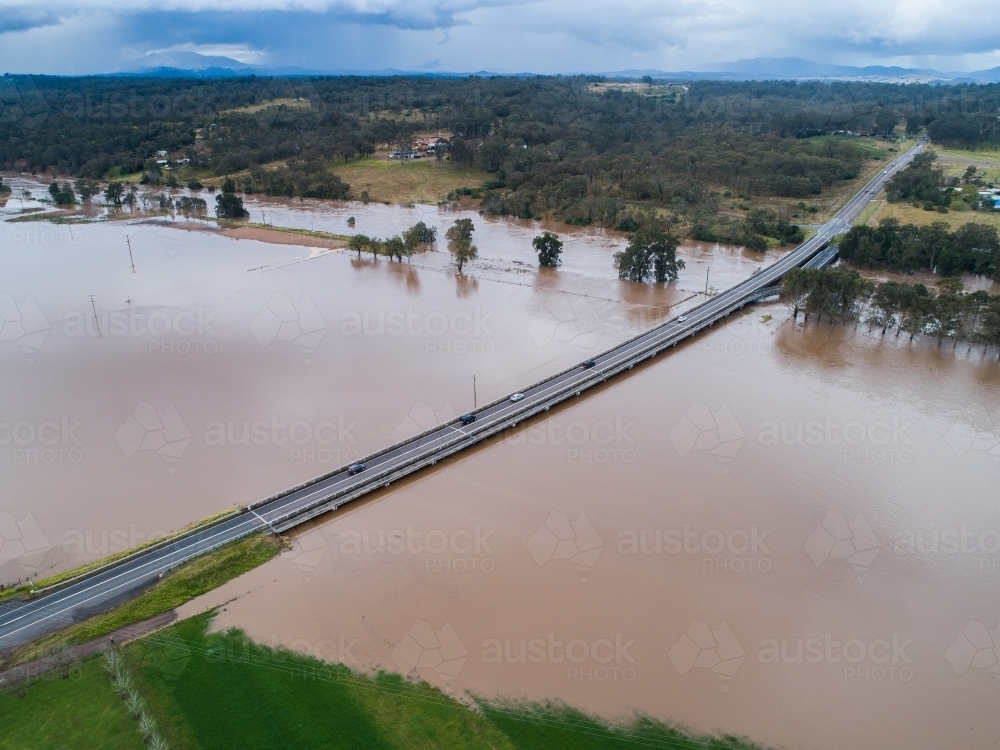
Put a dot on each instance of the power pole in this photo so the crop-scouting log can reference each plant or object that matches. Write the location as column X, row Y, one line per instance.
column 706, row 279
column 96, row 319
column 130, row 252
column 475, row 400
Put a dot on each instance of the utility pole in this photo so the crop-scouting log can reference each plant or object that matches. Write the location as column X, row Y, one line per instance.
column 706, row 279
column 96, row 319
column 130, row 252
column 475, row 400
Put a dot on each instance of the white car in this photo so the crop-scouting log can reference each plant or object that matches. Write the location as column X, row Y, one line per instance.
column 517, row 397
column 681, row 318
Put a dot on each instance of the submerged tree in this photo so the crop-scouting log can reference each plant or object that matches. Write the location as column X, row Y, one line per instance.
column 460, row 242
column 548, row 247
column 650, row 254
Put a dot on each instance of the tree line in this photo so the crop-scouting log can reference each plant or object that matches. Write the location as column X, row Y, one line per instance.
column 411, row 241
column 843, row 295
column 544, row 145
column 972, row 247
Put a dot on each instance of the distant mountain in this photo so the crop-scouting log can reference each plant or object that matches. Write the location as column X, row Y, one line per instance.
column 181, row 64
column 187, row 61
column 797, row 68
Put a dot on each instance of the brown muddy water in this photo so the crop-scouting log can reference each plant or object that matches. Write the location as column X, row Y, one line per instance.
column 787, row 533
column 223, row 370
column 784, row 532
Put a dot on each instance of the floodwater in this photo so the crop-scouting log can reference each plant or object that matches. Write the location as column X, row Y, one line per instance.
column 785, row 533
column 223, row 370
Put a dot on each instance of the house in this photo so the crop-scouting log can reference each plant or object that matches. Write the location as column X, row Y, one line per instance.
column 161, row 153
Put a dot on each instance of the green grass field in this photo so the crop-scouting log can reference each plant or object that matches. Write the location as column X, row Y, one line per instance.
column 54, row 713
column 220, row 691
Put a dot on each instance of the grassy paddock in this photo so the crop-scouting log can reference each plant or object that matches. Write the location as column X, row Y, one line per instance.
column 907, row 214
column 220, row 690
column 417, row 181
column 57, row 713
column 228, row 224
column 182, row 585
column 216, row 691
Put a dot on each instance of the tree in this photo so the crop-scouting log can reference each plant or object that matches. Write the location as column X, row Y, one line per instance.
column 358, row 243
column 394, row 247
column 228, row 186
column 228, row 205
column 548, row 247
column 462, row 229
column 982, row 246
column 634, row 263
column 796, row 285
column 113, row 193
column 87, row 188
column 650, row 253
column 465, row 252
column 417, row 235
column 62, row 195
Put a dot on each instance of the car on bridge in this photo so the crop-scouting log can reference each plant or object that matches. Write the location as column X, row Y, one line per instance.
column 588, row 363
column 517, row 397
column 355, row 469
column 467, row 418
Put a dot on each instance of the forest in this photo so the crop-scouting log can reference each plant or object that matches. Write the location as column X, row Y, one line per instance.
column 545, row 146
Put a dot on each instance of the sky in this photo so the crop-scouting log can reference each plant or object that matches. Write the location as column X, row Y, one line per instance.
column 504, row 36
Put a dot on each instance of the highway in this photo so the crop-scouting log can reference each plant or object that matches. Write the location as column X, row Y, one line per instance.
column 104, row 588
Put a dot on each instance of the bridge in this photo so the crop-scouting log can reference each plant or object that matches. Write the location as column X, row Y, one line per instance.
column 105, row 587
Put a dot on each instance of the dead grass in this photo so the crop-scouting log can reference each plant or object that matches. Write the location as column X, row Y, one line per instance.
column 907, row 214
column 417, row 181
column 266, row 105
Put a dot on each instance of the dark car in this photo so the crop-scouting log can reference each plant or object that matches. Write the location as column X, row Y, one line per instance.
column 355, row 469
column 588, row 363
column 467, row 418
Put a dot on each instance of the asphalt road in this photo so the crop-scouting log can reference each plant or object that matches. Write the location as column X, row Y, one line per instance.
column 23, row 621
